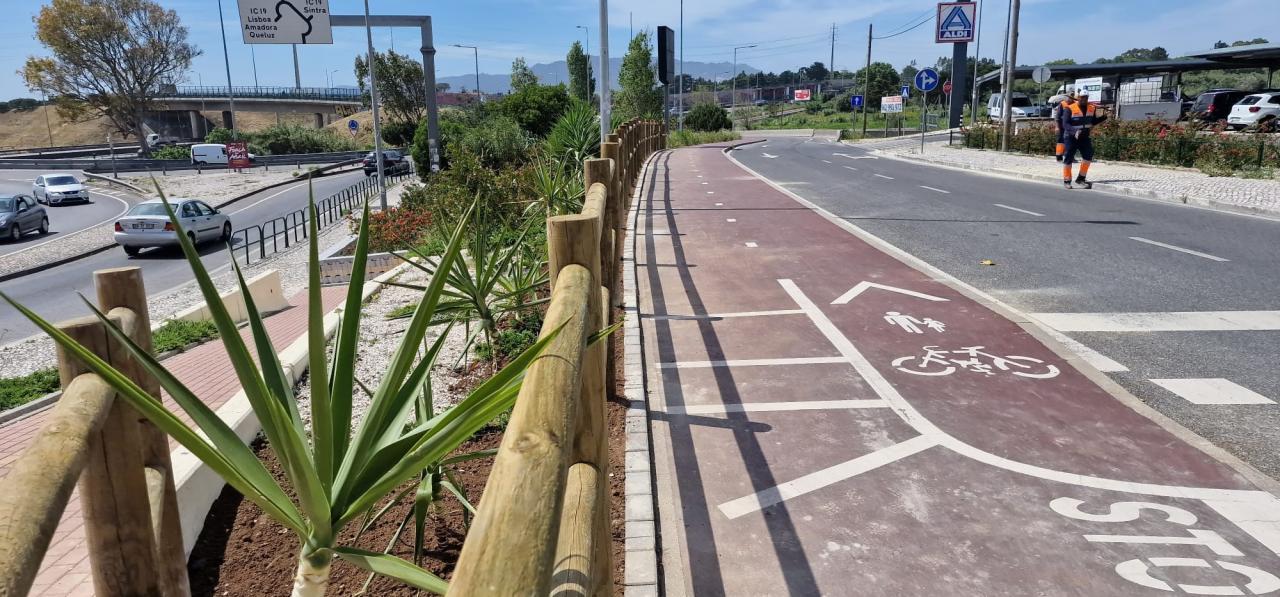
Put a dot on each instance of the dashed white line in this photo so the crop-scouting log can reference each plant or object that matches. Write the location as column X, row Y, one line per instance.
column 883, row 176
column 719, row 205
column 851, row 167
column 826, row 161
column 711, row 192
column 731, row 220
column 1172, row 321
column 1212, row 391
column 1019, row 210
column 936, row 190
column 751, row 245
column 720, row 409
column 1178, row 249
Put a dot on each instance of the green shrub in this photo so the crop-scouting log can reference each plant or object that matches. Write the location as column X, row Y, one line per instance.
column 575, row 136
column 219, row 135
column 502, row 192
column 707, row 117
column 497, row 140
column 16, row 391
column 292, row 138
column 177, row 334
column 687, row 137
column 172, row 152
column 513, row 340
column 399, row 134
column 536, row 107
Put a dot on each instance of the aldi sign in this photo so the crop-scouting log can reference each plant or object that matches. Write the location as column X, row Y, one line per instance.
column 803, row 95
column 956, row 22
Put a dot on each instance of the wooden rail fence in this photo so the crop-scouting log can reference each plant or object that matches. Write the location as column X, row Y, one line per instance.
column 543, row 526
column 120, row 460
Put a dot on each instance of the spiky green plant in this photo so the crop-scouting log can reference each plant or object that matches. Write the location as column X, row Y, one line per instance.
column 575, row 136
column 337, row 472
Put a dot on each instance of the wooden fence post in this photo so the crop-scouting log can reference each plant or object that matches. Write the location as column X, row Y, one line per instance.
column 601, row 171
column 123, row 288
column 113, row 492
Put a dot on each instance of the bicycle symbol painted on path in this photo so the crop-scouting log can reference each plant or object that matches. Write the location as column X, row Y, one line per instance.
column 937, row 362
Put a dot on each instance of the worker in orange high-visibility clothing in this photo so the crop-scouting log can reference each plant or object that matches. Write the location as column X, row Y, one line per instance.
column 1077, row 122
column 1059, row 103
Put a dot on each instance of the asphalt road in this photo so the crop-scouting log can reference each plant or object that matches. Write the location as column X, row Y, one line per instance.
column 105, row 205
column 53, row 293
column 1155, row 275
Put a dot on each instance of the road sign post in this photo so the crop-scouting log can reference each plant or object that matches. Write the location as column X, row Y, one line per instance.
column 855, row 102
column 926, row 80
column 958, row 26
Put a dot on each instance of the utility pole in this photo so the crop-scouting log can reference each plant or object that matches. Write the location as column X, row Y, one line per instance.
column 680, row 97
column 606, row 94
column 1006, row 103
column 831, row 66
column 866, row 83
column 226, row 59
column 253, row 57
column 977, row 57
column 297, row 72
column 373, row 100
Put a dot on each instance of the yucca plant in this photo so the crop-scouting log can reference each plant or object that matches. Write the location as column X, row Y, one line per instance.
column 575, row 136
column 337, row 472
column 560, row 187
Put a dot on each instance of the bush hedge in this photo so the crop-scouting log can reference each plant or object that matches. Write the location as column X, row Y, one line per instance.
column 708, row 117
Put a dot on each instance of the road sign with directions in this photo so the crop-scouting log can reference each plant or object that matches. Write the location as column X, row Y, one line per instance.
column 926, row 80
column 855, row 101
column 285, row 22
column 955, row 22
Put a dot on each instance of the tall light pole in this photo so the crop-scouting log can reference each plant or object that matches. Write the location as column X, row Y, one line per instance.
column 226, row 59
column 477, row 57
column 733, row 97
column 253, row 57
column 680, row 76
column 606, row 94
column 328, row 76
column 586, row 35
column 373, row 100
column 977, row 57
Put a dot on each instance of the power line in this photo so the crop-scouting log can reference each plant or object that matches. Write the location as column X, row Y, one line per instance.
column 926, row 20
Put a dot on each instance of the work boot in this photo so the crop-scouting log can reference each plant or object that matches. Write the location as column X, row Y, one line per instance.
column 1059, row 158
column 1066, row 183
column 1080, row 180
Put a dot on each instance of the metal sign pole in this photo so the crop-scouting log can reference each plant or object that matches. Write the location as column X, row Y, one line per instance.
column 924, row 117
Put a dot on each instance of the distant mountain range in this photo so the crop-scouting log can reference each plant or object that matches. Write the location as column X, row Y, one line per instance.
column 558, row 72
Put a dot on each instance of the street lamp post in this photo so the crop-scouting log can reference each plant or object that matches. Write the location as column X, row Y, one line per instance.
column 733, row 97
column 477, row 56
column 226, row 58
column 373, row 101
column 328, row 76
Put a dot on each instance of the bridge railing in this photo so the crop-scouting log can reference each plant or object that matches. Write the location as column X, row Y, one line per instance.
column 544, row 526
column 336, row 94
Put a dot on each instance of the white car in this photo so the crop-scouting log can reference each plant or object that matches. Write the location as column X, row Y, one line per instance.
column 147, row 225
column 56, row 189
column 1258, row 108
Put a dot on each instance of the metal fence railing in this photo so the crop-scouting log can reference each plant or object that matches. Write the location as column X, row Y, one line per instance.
column 257, row 242
column 335, row 94
column 106, row 164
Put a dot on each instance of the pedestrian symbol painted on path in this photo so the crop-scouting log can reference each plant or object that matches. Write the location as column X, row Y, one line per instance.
column 912, row 325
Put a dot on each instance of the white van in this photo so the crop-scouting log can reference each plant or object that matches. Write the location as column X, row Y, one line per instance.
column 1021, row 107
column 208, row 153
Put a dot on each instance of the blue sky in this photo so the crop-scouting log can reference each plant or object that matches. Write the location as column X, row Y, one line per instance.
column 790, row 33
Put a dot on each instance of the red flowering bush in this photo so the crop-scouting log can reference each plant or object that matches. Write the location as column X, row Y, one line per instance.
column 396, row 229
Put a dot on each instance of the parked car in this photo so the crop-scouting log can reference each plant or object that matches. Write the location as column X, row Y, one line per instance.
column 1021, row 107
column 147, row 225
column 1215, row 104
column 1257, row 109
column 20, row 214
column 393, row 162
column 56, row 189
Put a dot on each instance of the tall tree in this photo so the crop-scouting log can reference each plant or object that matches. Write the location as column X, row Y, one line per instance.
column 108, row 58
column 639, row 96
column 402, row 87
column 815, row 72
column 582, row 81
column 884, row 81
column 522, row 76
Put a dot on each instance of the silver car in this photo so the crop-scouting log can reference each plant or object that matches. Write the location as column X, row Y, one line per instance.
column 56, row 189
column 147, row 225
column 20, row 214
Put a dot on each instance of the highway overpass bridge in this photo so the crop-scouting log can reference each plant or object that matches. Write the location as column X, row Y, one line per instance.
column 180, row 109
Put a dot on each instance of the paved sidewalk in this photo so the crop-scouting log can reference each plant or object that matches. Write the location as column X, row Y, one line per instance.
column 1167, row 184
column 207, row 371
column 832, row 418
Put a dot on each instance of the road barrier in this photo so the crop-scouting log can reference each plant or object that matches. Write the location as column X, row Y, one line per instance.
column 120, row 460
column 106, row 164
column 544, row 521
column 280, row 233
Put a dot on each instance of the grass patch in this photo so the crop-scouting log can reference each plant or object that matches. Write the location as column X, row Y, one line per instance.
column 178, row 334
column 687, row 137
column 16, row 391
column 402, row 311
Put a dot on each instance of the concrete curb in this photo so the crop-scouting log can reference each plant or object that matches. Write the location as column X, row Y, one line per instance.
column 1042, row 333
column 1203, row 202
column 640, row 569
column 198, row 486
column 111, row 181
column 30, row 408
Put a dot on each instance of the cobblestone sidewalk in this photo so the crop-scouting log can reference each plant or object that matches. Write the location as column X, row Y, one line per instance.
column 1166, row 184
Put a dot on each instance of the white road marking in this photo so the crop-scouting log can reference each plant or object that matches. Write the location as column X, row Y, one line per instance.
column 751, row 245
column 719, row 205
column 825, row 477
column 936, row 190
column 864, row 286
column 752, row 363
column 711, row 192
column 726, row 315
column 1010, row 208
column 731, row 220
column 1212, row 391
column 883, row 176
column 704, row 182
column 1177, row 248
column 769, row 155
column 851, row 167
column 856, row 157
column 826, row 161
column 699, row 176
column 1202, row 537
column 1174, row 321
column 269, row 197
column 720, row 409
column 1098, row 360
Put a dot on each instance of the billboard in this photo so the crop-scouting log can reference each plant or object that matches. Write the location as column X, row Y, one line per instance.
column 891, row 104
column 285, row 22
column 666, row 55
column 802, row 95
column 956, row 22
column 238, row 155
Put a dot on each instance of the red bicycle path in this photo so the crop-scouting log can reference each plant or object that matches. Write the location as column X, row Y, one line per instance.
column 803, row 447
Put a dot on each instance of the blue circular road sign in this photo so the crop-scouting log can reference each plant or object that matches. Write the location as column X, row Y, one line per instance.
column 353, row 124
column 927, row 80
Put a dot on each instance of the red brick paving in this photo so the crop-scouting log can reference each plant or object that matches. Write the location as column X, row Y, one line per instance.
column 207, row 372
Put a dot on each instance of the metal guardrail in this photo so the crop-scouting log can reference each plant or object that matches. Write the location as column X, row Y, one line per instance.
column 64, row 148
column 277, row 234
column 334, row 94
column 146, row 165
